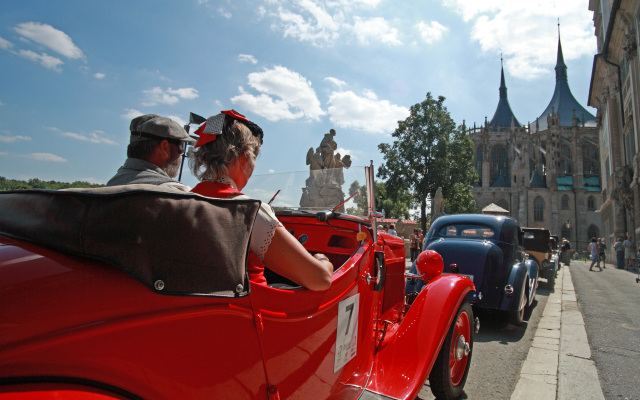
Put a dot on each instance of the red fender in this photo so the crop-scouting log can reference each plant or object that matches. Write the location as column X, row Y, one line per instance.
column 56, row 391
column 411, row 347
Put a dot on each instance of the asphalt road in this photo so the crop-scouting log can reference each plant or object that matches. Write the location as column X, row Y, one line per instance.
column 498, row 354
column 610, row 305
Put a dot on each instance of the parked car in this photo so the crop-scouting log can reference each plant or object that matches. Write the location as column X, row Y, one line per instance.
column 135, row 292
column 539, row 245
column 488, row 250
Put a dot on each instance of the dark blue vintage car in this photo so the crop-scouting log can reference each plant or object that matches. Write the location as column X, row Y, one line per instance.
column 488, row 250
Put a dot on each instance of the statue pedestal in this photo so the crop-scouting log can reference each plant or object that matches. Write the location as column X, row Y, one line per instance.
column 321, row 197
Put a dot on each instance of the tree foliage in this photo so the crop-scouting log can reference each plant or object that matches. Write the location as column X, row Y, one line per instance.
column 35, row 183
column 398, row 208
column 430, row 151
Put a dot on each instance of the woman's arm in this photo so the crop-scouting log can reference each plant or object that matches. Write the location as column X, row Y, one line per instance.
column 287, row 257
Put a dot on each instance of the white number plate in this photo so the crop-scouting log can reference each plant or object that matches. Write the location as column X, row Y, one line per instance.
column 347, row 332
column 468, row 276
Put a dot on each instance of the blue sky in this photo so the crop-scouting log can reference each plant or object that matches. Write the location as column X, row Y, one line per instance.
column 74, row 73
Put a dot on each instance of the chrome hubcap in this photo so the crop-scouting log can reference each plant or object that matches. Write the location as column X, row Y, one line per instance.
column 462, row 348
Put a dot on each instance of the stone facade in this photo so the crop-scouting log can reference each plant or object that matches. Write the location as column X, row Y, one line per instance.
column 615, row 92
column 546, row 174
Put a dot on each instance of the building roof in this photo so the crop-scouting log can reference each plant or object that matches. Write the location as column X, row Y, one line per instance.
column 536, row 180
column 503, row 115
column 500, row 182
column 495, row 209
column 592, row 184
column 562, row 102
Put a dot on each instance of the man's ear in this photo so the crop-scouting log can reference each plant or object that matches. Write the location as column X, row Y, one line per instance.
column 165, row 149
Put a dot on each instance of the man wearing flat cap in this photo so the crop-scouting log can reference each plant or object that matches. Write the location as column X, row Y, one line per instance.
column 153, row 154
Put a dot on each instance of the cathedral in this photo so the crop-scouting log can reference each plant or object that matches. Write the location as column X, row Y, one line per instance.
column 545, row 174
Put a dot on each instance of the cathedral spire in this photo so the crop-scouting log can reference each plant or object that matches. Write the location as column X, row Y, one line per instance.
column 503, row 115
column 562, row 103
column 503, row 86
column 561, row 67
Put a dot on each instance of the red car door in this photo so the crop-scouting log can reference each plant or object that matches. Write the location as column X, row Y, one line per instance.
column 320, row 344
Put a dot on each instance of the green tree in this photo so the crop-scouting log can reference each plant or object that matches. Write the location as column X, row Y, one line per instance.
column 429, row 151
column 394, row 208
column 35, row 183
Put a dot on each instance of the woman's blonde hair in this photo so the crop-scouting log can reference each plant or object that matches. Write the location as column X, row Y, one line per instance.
column 211, row 161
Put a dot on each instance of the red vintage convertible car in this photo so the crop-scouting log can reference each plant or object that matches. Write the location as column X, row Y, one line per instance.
column 135, row 292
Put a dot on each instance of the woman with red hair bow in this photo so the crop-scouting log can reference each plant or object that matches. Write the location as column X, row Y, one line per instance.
column 224, row 159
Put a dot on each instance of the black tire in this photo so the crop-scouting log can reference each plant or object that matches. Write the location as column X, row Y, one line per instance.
column 551, row 281
column 517, row 317
column 449, row 374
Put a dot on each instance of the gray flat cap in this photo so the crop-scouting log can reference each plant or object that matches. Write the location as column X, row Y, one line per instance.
column 148, row 126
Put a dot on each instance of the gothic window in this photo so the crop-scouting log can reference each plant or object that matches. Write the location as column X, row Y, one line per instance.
column 593, row 232
column 538, row 209
column 591, row 203
column 590, row 163
column 479, row 162
column 499, row 163
column 565, row 161
column 630, row 146
column 565, row 202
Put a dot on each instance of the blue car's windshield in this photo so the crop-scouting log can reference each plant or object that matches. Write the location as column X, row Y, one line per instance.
column 472, row 231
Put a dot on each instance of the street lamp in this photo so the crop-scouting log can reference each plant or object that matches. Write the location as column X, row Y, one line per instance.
column 567, row 224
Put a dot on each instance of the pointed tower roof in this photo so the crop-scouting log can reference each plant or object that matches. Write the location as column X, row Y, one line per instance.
column 562, row 102
column 503, row 114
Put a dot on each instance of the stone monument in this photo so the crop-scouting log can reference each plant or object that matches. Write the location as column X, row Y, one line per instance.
column 437, row 205
column 324, row 185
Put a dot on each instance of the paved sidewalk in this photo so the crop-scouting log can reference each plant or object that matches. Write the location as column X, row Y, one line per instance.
column 559, row 364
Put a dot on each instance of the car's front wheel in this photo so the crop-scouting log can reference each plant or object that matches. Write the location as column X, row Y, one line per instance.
column 449, row 373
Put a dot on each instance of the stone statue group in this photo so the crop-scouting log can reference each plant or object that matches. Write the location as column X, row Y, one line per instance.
column 324, row 185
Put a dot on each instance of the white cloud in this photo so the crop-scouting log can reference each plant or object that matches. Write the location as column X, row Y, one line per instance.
column 226, row 14
column 50, row 37
column 44, row 59
column 375, row 29
column 365, row 113
column 1, row 104
column 284, row 94
column 431, row 31
column 247, row 58
column 310, row 22
column 46, row 157
column 131, row 113
column 339, row 83
column 526, row 32
column 11, row 139
column 5, row 44
column 93, row 137
column 99, row 75
column 157, row 95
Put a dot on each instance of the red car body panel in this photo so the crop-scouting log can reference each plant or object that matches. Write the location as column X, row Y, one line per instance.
column 71, row 326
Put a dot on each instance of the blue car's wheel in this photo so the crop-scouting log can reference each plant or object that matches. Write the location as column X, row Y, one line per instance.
column 517, row 317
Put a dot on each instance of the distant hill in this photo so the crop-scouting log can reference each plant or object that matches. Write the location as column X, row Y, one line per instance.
column 12, row 184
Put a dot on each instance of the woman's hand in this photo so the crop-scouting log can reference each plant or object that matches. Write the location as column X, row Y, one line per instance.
column 287, row 257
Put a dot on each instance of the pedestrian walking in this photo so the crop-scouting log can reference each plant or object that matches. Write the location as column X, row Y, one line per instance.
column 565, row 252
column 629, row 252
column 619, row 253
column 602, row 248
column 413, row 247
column 421, row 240
column 593, row 248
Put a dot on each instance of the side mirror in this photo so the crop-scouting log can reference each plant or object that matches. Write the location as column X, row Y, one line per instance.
column 429, row 265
